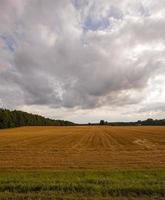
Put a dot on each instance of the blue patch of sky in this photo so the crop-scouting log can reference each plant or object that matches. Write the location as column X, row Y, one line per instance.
column 91, row 23
column 96, row 24
column 12, row 40
column 103, row 23
column 10, row 43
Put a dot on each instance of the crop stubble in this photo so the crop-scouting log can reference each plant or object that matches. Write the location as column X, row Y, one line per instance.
column 88, row 147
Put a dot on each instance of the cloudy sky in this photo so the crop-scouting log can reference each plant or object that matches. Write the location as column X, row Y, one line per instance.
column 83, row 60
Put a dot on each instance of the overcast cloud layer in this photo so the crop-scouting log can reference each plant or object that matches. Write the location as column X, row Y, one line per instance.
column 83, row 60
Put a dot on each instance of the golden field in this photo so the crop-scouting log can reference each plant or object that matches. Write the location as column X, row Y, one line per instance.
column 86, row 147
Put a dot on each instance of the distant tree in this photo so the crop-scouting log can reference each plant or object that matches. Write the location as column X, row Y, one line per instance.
column 102, row 122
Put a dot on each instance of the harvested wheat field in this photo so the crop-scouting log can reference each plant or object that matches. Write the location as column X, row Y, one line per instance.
column 88, row 147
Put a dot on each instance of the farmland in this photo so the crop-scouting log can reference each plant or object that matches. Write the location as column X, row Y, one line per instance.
column 88, row 162
column 82, row 147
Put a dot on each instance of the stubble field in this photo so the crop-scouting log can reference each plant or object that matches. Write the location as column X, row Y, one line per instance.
column 82, row 163
column 90, row 147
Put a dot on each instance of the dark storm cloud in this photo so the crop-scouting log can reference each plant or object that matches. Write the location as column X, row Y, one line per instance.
column 56, row 63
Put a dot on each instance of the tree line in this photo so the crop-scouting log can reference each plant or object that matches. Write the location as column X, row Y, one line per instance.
column 148, row 122
column 11, row 119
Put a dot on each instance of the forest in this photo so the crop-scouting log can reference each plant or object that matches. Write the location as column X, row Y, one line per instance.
column 11, row 119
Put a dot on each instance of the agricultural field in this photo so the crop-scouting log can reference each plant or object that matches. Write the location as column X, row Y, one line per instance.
column 101, row 147
column 83, row 163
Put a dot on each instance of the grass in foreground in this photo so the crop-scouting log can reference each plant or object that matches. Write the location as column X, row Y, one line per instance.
column 102, row 185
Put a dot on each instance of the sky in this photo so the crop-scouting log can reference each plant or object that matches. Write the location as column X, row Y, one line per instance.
column 83, row 60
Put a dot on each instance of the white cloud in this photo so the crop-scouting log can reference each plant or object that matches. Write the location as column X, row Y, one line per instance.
column 74, row 57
